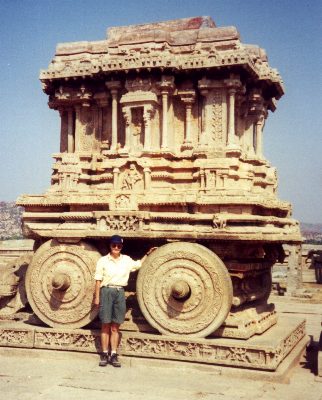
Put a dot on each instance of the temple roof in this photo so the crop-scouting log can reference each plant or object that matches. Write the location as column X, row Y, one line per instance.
column 176, row 45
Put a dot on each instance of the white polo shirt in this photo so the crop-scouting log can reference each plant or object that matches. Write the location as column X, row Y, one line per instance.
column 115, row 271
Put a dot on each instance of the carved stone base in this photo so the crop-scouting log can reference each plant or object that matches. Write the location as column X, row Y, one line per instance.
column 264, row 352
column 247, row 322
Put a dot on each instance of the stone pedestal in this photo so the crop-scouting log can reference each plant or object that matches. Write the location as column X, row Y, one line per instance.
column 265, row 352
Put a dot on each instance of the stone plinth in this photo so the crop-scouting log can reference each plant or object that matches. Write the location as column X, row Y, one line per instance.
column 264, row 352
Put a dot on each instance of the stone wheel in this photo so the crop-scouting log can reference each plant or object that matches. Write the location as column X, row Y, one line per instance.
column 184, row 289
column 60, row 284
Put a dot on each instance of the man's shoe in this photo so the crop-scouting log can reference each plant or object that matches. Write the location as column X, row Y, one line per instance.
column 104, row 360
column 114, row 360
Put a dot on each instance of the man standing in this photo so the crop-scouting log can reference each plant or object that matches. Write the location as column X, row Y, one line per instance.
column 112, row 275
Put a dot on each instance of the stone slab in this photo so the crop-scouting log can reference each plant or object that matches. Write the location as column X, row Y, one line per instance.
column 11, row 336
column 264, row 352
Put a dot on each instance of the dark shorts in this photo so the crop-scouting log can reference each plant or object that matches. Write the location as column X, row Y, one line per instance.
column 112, row 305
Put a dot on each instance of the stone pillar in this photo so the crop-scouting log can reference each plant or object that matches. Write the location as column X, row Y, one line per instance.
column 259, row 136
column 188, row 123
column 147, row 178
column 70, row 131
column 114, row 87
column 233, row 85
column 231, row 117
column 294, row 269
column 63, row 130
column 258, row 112
column 164, row 140
column 202, row 179
column 147, row 115
column 188, row 98
column 102, row 102
column 116, row 172
column 127, row 118
column 203, row 141
column 166, row 87
column 78, row 127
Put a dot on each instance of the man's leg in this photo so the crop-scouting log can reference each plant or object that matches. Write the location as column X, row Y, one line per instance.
column 105, row 340
column 115, row 338
column 105, row 337
column 119, row 309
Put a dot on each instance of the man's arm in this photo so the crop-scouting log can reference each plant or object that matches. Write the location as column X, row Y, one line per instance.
column 97, row 293
column 147, row 253
column 138, row 264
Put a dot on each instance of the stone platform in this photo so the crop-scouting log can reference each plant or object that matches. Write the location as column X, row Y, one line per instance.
column 263, row 352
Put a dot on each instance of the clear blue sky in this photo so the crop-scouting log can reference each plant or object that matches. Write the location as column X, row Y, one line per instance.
column 289, row 30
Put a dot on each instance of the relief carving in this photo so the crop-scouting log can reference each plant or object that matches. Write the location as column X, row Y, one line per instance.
column 122, row 202
column 69, row 172
column 216, row 119
column 119, row 223
column 131, row 179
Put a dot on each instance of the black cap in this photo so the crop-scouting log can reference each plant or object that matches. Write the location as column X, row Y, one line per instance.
column 116, row 239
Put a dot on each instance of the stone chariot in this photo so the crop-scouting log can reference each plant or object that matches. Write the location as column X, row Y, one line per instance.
column 161, row 142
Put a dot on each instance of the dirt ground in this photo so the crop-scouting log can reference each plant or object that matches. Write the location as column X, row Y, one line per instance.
column 51, row 375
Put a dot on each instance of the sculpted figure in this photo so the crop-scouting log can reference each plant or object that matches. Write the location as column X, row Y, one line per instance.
column 130, row 178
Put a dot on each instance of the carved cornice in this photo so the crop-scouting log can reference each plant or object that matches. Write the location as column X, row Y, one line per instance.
column 159, row 60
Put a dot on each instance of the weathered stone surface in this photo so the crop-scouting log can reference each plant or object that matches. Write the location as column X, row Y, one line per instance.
column 162, row 140
column 11, row 336
column 12, row 285
column 263, row 352
column 60, row 284
column 190, row 298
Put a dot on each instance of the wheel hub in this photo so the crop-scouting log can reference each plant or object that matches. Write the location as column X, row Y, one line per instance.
column 180, row 290
column 61, row 281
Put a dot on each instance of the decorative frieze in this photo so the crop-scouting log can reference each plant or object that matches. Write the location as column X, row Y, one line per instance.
column 252, row 354
column 119, row 223
column 84, row 341
column 16, row 337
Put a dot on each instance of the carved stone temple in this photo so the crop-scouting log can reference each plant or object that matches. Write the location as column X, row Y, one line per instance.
column 161, row 141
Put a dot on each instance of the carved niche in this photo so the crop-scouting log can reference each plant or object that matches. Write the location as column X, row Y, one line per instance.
column 131, row 179
column 138, row 106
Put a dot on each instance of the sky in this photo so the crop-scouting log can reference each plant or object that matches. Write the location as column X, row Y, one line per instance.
column 289, row 30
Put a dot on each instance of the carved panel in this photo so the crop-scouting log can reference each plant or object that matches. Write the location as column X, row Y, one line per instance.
column 123, row 202
column 119, row 223
column 131, row 179
column 16, row 337
column 217, row 116
column 85, row 129
column 69, row 171
column 55, row 339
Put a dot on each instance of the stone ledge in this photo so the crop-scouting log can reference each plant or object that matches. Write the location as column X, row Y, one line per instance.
column 264, row 352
